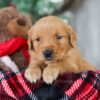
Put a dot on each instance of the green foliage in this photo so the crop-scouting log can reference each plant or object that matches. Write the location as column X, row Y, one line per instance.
column 23, row 5
column 4, row 3
column 39, row 8
column 45, row 7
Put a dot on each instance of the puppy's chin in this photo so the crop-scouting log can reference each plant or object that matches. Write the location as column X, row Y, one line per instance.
column 53, row 60
column 49, row 60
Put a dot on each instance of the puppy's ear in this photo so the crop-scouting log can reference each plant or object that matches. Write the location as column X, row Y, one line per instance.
column 30, row 41
column 72, row 37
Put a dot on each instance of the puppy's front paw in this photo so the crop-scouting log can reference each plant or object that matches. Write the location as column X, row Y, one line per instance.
column 33, row 74
column 50, row 74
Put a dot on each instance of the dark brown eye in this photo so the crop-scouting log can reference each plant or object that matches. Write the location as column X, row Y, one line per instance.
column 58, row 37
column 38, row 39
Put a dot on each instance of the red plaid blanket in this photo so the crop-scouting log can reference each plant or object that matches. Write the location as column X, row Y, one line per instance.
column 80, row 86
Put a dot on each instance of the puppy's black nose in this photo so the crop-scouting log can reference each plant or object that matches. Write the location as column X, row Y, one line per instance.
column 48, row 53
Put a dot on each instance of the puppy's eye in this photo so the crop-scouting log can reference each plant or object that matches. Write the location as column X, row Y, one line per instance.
column 38, row 39
column 58, row 37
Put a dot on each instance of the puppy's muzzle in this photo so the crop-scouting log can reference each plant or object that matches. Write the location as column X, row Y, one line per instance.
column 48, row 54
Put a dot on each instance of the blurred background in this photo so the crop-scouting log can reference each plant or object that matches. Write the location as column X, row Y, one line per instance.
column 83, row 15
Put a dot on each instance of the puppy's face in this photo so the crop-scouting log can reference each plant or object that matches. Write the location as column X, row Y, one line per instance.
column 50, row 38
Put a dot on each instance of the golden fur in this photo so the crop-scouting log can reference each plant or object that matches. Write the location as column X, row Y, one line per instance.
column 66, row 56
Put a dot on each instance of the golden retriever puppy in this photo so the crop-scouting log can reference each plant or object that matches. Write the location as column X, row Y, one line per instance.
column 53, row 51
